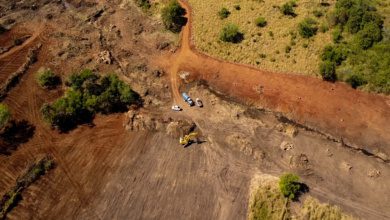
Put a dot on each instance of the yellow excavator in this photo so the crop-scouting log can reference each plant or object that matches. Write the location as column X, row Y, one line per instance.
column 188, row 139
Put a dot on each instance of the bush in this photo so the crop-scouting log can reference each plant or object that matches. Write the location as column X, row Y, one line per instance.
column 260, row 22
column 87, row 96
column 356, row 81
column 289, row 185
column 318, row 13
column 337, row 35
column 287, row 49
column 231, row 33
column 288, row 9
column 5, row 115
column 308, row 28
column 328, row 71
column 144, row 4
column 333, row 54
column 237, row 7
column 47, row 79
column 369, row 35
column 323, row 28
column 173, row 16
column 223, row 13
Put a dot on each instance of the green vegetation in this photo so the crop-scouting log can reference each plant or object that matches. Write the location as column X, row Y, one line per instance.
column 89, row 94
column 231, row 33
column 318, row 13
column 288, row 8
column 260, row 22
column 337, row 35
column 47, row 79
column 361, row 57
column 173, row 16
column 328, row 71
column 4, row 115
column 289, row 185
column 308, row 28
column 144, row 4
column 223, row 13
column 34, row 172
column 267, row 203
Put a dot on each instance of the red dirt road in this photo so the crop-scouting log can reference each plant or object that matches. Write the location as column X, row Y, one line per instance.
column 334, row 108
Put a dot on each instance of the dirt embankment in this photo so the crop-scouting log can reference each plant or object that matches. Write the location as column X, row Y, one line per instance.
column 359, row 118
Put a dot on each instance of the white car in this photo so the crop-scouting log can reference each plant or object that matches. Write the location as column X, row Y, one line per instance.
column 176, row 108
column 199, row 102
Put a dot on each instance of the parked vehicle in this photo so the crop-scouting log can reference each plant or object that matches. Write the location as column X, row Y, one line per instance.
column 176, row 108
column 187, row 99
column 199, row 102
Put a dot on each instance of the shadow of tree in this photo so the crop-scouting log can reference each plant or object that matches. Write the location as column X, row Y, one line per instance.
column 14, row 134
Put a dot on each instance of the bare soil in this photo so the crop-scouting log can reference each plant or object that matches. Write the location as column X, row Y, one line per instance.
column 105, row 171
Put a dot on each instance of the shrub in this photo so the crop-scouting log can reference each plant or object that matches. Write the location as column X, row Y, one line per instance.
column 237, row 7
column 173, row 16
column 223, row 13
column 318, row 13
column 5, row 115
column 87, row 97
column 144, row 4
column 260, row 22
column 337, row 35
column 369, row 35
column 231, row 33
column 288, row 9
column 287, row 49
column 356, row 81
column 308, row 28
column 328, row 71
column 333, row 54
column 323, row 28
column 289, row 185
column 47, row 79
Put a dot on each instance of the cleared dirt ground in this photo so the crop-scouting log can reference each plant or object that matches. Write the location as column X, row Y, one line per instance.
column 108, row 172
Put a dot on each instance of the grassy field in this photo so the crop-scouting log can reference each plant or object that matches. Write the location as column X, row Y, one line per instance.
column 277, row 46
column 267, row 202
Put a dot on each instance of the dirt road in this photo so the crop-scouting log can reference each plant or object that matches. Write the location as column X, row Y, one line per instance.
column 357, row 117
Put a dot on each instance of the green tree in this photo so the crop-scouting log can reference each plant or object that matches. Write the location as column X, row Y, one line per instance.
column 308, row 28
column 231, row 33
column 328, row 71
column 289, row 185
column 370, row 34
column 334, row 54
column 4, row 115
column 223, row 13
column 173, row 16
column 47, row 79
column 260, row 22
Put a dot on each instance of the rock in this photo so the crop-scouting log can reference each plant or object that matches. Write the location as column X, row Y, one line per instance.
column 291, row 131
column 286, row 146
column 184, row 75
column 328, row 152
column 104, row 57
column 374, row 173
column 346, row 166
column 300, row 161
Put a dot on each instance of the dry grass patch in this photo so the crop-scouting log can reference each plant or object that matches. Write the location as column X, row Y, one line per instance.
column 264, row 47
column 312, row 210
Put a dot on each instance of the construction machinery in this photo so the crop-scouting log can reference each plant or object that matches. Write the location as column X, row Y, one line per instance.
column 188, row 139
